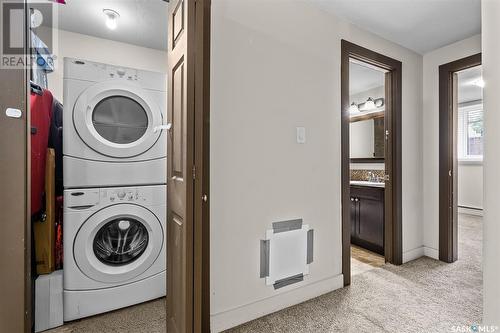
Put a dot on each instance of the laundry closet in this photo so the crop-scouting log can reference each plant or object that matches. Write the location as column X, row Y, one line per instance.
column 98, row 159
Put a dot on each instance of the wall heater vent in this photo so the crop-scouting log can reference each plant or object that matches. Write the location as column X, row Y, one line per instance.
column 286, row 253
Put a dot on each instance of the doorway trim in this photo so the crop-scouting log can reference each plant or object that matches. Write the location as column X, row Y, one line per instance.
column 393, row 221
column 448, row 159
column 202, row 163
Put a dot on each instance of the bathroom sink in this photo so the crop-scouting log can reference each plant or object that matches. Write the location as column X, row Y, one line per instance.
column 367, row 183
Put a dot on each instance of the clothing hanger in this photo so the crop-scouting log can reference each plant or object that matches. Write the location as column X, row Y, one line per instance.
column 35, row 88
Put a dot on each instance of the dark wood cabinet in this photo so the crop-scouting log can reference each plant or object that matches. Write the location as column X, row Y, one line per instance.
column 367, row 217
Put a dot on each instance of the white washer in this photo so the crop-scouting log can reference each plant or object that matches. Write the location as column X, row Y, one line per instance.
column 114, row 248
column 114, row 130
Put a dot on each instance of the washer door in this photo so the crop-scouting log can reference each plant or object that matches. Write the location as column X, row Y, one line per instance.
column 117, row 119
column 118, row 243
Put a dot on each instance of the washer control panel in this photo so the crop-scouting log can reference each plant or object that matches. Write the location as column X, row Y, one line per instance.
column 114, row 195
column 95, row 199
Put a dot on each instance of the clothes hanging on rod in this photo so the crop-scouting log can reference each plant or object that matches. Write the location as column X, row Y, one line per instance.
column 43, row 61
column 41, row 113
column 36, row 89
column 56, row 142
column 44, row 57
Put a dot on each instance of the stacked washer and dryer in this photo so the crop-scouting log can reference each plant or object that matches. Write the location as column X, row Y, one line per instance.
column 114, row 143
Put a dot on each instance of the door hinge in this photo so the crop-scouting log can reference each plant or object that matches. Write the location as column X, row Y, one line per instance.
column 194, row 171
column 387, row 178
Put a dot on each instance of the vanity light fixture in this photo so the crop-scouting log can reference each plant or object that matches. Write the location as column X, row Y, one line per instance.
column 370, row 104
column 354, row 108
column 111, row 18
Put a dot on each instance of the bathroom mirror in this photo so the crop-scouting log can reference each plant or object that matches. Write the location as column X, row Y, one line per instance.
column 367, row 139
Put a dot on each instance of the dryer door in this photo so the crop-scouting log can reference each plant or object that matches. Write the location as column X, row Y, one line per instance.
column 118, row 243
column 117, row 119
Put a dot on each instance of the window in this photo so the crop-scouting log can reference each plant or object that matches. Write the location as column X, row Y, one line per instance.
column 470, row 132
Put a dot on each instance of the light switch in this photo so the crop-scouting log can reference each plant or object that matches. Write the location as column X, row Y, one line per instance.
column 301, row 135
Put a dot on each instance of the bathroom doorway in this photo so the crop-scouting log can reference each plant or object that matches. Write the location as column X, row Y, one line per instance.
column 371, row 158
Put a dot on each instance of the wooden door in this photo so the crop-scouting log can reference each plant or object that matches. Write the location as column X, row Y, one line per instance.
column 15, row 238
column 180, row 170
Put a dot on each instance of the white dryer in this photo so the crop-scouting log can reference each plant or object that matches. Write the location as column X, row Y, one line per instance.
column 114, row 130
column 114, row 248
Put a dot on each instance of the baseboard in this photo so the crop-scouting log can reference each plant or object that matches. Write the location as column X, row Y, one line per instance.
column 431, row 253
column 420, row 252
column 231, row 318
column 413, row 254
column 470, row 211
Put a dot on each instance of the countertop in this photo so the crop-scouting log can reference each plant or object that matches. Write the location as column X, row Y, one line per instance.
column 367, row 183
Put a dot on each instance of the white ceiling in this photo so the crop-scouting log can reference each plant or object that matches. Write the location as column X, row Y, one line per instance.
column 467, row 91
column 363, row 78
column 141, row 22
column 420, row 25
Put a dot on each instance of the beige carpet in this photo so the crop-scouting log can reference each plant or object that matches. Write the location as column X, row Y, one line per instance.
column 143, row 318
column 421, row 296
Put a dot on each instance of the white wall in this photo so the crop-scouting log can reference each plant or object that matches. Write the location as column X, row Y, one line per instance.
column 90, row 48
column 470, row 184
column 430, row 143
column 491, row 69
column 275, row 66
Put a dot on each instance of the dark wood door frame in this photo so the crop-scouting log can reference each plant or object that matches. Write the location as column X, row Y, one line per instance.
column 448, row 159
column 202, row 163
column 393, row 222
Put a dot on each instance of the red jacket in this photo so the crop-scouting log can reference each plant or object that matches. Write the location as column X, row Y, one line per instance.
column 41, row 113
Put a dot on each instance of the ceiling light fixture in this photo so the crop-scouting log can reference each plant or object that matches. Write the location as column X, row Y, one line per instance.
column 370, row 104
column 111, row 18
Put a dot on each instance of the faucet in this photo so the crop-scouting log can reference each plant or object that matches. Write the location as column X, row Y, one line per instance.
column 371, row 177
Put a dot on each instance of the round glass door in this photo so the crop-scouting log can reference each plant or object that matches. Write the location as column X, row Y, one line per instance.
column 117, row 119
column 120, row 119
column 120, row 241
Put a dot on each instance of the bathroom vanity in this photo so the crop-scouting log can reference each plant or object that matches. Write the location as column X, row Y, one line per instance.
column 367, row 215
